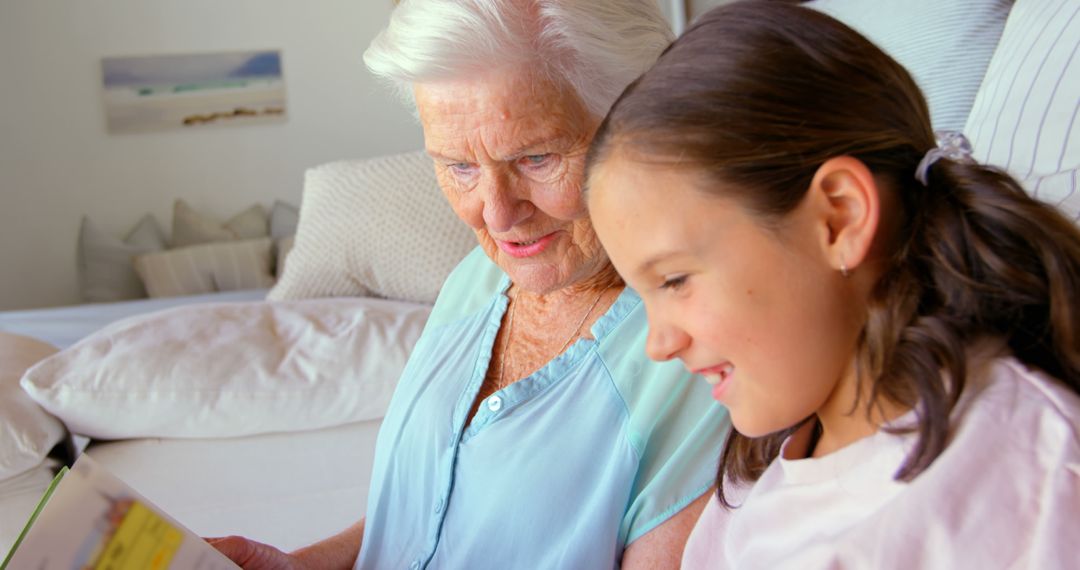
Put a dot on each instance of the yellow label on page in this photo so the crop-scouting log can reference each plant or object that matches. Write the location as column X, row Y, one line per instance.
column 142, row 540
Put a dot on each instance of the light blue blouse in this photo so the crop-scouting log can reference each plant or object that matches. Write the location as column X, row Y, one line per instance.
column 562, row 469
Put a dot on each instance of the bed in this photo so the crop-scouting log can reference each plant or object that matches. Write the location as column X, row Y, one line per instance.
column 283, row 455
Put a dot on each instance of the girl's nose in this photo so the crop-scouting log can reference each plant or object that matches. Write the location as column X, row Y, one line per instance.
column 665, row 341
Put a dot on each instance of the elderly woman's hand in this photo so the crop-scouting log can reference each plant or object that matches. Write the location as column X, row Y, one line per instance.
column 338, row 551
column 251, row 555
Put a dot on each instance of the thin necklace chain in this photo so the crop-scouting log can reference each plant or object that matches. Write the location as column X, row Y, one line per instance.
column 510, row 326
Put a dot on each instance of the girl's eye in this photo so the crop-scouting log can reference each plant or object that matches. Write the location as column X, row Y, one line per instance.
column 674, row 283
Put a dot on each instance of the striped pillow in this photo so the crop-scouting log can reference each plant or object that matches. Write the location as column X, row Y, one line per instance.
column 945, row 45
column 206, row 268
column 1025, row 116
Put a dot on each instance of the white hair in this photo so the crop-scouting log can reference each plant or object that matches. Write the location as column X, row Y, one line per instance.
column 596, row 47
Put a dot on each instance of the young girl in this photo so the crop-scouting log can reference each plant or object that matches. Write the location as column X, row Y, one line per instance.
column 894, row 329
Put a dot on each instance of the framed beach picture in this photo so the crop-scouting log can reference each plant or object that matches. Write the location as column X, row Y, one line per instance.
column 192, row 91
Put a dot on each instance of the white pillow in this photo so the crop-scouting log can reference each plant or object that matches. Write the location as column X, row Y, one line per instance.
column 944, row 44
column 1026, row 117
column 29, row 432
column 208, row 268
column 374, row 227
column 231, row 369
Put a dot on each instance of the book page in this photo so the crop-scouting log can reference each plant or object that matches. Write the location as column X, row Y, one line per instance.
column 94, row 521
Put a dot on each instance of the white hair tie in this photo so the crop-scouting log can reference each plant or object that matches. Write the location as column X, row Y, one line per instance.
column 952, row 145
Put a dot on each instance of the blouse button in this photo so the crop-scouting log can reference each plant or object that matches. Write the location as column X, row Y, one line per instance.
column 439, row 506
column 494, row 403
column 415, row 565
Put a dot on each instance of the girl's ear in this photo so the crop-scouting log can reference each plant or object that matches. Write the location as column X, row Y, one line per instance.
column 848, row 205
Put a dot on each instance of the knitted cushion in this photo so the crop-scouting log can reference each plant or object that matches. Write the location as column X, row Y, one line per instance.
column 378, row 227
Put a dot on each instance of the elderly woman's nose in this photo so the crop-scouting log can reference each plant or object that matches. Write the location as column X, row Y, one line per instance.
column 503, row 208
column 665, row 341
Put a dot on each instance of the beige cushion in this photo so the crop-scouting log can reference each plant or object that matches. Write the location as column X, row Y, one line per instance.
column 191, row 227
column 232, row 369
column 1026, row 117
column 105, row 269
column 29, row 432
column 373, row 227
column 206, row 268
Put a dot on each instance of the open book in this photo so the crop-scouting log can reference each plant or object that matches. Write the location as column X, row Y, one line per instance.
column 90, row 520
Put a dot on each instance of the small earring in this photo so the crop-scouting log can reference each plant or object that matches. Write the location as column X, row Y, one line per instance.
column 843, row 268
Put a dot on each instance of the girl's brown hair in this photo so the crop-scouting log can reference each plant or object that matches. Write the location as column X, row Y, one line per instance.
column 757, row 95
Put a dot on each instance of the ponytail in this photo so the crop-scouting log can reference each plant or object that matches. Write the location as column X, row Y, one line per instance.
column 982, row 259
column 1020, row 259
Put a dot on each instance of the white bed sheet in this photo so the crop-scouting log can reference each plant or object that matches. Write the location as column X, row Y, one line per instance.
column 63, row 326
column 288, row 490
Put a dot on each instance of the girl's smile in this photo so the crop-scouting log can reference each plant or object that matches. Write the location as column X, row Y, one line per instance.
column 719, row 377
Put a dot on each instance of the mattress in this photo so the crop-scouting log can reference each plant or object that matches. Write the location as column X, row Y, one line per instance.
column 63, row 326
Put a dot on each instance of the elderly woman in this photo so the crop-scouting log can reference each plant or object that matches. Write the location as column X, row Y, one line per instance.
column 529, row 429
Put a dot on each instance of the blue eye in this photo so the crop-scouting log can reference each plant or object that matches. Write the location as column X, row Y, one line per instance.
column 537, row 159
column 460, row 167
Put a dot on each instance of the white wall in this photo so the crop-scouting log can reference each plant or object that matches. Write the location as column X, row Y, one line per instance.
column 58, row 163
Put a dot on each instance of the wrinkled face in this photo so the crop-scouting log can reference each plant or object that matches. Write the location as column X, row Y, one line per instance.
column 753, row 310
column 509, row 152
